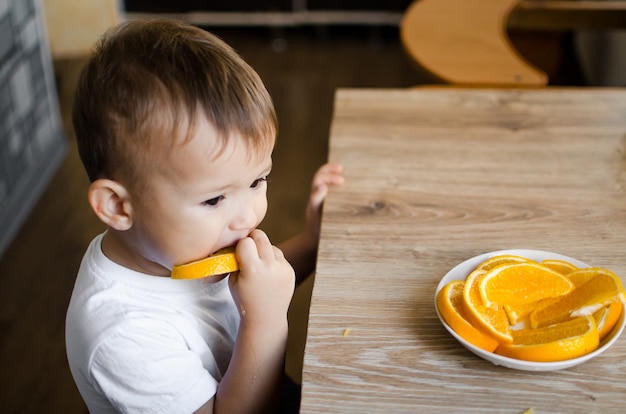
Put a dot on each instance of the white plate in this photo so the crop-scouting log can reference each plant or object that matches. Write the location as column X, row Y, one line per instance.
column 462, row 270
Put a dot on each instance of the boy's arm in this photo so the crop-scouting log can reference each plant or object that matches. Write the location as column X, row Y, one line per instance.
column 301, row 250
column 262, row 291
column 254, row 378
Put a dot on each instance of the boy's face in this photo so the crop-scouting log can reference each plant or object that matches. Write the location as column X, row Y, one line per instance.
column 200, row 199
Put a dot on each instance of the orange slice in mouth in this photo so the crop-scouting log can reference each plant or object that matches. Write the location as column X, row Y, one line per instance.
column 221, row 262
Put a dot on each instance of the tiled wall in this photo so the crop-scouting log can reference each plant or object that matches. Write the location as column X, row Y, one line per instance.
column 31, row 141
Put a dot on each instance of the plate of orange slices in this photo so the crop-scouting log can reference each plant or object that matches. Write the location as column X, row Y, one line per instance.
column 531, row 310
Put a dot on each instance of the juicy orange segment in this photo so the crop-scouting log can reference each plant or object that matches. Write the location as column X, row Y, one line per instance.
column 516, row 284
column 577, row 277
column 560, row 266
column 492, row 321
column 516, row 314
column 581, row 276
column 562, row 341
column 607, row 317
column 600, row 290
column 500, row 260
column 450, row 305
column 223, row 261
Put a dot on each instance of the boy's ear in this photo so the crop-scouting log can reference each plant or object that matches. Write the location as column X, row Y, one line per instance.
column 111, row 203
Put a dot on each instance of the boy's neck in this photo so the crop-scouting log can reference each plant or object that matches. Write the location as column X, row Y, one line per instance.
column 117, row 249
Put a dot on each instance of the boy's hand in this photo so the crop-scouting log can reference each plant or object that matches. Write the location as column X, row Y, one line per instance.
column 262, row 290
column 301, row 250
column 327, row 175
column 265, row 283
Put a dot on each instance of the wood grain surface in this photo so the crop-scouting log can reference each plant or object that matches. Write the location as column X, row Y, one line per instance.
column 435, row 176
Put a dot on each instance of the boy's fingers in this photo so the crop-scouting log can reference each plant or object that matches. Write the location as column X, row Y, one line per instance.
column 330, row 167
column 264, row 247
column 278, row 254
column 320, row 186
column 328, row 176
column 319, row 194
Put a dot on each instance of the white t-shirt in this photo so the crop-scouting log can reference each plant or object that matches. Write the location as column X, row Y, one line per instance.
column 140, row 343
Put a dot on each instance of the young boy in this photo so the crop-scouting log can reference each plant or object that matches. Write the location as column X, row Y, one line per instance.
column 176, row 134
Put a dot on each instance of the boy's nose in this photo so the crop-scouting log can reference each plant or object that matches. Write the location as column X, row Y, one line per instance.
column 245, row 216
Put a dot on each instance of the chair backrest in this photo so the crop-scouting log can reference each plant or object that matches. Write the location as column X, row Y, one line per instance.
column 465, row 42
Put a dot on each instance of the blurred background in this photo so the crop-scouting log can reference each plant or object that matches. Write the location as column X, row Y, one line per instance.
column 303, row 50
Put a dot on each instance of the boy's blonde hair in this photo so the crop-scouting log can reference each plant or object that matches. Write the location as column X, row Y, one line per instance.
column 145, row 85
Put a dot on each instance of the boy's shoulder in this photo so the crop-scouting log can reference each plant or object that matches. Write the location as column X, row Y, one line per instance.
column 109, row 299
column 120, row 323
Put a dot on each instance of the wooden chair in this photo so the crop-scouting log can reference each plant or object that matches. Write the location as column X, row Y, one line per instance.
column 465, row 42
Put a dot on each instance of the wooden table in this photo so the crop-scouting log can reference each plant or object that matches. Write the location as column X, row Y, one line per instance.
column 435, row 176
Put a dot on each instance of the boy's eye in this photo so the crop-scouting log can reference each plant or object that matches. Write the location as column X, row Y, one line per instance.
column 258, row 181
column 213, row 201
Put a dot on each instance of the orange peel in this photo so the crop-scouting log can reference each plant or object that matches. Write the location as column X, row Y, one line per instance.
column 450, row 305
column 607, row 317
column 221, row 262
column 561, row 266
column 491, row 321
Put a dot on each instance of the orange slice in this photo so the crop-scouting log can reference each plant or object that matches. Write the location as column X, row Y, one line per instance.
column 607, row 317
column 501, row 260
column 516, row 314
column 223, row 261
column 559, row 342
column 581, row 276
column 450, row 305
column 491, row 321
column 516, row 284
column 560, row 266
column 577, row 277
column 601, row 289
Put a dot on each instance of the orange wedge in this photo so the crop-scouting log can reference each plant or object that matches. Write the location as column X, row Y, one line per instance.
column 491, row 321
column 450, row 305
column 577, row 277
column 223, row 261
column 600, row 290
column 517, row 313
column 581, row 276
column 559, row 342
column 501, row 260
column 560, row 266
column 516, row 284
column 607, row 317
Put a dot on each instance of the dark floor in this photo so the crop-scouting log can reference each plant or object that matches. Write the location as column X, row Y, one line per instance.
column 301, row 68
